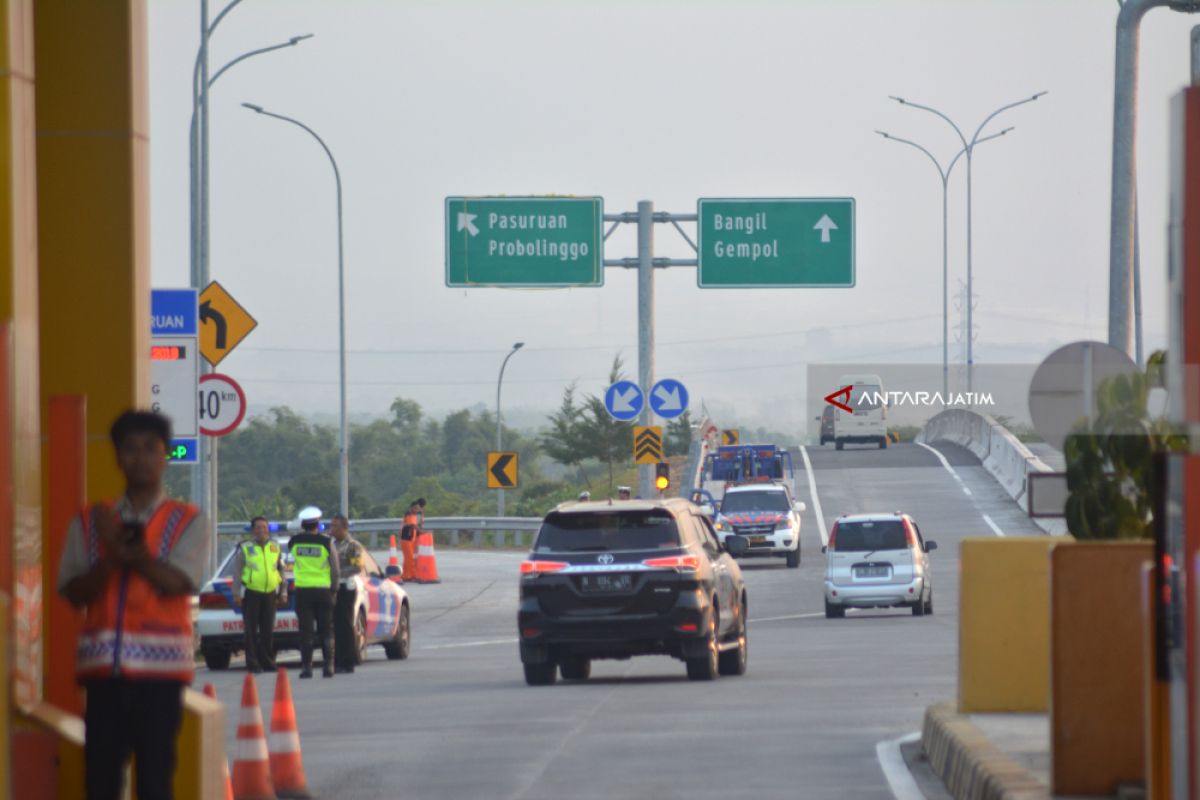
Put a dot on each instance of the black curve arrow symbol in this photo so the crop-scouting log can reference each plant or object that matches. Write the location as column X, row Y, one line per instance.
column 498, row 470
column 207, row 312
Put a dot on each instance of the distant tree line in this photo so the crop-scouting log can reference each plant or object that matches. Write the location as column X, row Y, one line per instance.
column 276, row 463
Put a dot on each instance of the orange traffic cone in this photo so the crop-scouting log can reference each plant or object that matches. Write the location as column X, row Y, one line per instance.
column 426, row 560
column 287, row 769
column 393, row 570
column 251, row 775
column 209, row 691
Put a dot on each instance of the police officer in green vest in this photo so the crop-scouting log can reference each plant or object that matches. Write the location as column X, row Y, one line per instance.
column 258, row 587
column 315, row 567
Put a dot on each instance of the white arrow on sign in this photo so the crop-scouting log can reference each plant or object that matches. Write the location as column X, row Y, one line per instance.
column 623, row 402
column 467, row 221
column 824, row 225
column 670, row 401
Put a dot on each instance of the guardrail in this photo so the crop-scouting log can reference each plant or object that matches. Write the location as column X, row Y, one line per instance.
column 447, row 531
column 1003, row 455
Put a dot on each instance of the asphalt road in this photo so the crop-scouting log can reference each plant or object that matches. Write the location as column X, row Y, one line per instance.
column 457, row 721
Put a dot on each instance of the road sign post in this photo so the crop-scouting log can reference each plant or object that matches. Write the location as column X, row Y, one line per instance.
column 524, row 241
column 785, row 242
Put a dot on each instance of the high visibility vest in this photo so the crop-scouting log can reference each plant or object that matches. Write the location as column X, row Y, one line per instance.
column 311, row 568
column 261, row 573
column 408, row 531
column 131, row 631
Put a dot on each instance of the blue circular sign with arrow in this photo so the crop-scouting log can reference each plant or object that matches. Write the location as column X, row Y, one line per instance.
column 669, row 398
column 624, row 400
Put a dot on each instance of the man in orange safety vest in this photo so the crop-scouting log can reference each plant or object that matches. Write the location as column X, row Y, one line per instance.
column 133, row 565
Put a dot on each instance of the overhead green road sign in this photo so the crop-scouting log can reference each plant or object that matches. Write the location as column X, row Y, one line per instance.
column 775, row 242
column 524, row 241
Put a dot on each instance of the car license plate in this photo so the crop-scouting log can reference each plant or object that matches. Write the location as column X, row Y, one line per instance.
column 757, row 539
column 606, row 583
column 870, row 572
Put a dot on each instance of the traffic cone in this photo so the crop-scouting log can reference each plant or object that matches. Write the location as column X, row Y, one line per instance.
column 287, row 768
column 393, row 570
column 251, row 771
column 426, row 560
column 209, row 691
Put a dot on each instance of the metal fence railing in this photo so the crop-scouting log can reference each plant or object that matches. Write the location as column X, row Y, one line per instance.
column 447, row 531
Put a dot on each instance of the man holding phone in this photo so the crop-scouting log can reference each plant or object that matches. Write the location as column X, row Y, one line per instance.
column 133, row 565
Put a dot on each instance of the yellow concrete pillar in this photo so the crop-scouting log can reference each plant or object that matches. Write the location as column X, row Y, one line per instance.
column 1004, row 624
column 93, row 226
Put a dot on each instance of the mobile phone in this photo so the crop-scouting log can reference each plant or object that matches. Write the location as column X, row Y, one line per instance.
column 134, row 532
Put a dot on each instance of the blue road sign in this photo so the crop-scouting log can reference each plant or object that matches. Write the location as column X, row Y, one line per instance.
column 183, row 451
column 624, row 400
column 668, row 398
column 173, row 312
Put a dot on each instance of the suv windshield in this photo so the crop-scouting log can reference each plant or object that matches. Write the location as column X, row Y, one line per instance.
column 885, row 534
column 625, row 530
column 736, row 502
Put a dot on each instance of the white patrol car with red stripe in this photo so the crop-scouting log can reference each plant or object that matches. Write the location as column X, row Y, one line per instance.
column 766, row 515
column 381, row 617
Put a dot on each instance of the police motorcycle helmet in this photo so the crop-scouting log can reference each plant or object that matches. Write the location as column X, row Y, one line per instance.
column 310, row 518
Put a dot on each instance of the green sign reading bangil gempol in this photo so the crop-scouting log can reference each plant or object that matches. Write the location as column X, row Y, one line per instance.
column 797, row 242
column 524, row 241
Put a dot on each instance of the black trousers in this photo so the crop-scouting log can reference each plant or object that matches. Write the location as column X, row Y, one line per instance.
column 128, row 717
column 345, row 647
column 315, row 604
column 258, row 616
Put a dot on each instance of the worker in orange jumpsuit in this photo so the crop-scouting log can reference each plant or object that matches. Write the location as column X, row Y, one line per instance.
column 408, row 541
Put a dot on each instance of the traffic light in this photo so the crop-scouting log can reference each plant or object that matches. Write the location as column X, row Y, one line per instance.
column 662, row 476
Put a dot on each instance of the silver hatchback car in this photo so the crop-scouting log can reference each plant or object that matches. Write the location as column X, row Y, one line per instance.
column 877, row 561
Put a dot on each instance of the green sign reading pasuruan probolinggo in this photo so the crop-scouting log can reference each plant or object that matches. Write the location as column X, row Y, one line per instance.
column 524, row 241
column 775, row 242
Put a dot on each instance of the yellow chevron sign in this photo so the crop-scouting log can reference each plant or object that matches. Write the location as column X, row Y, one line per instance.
column 647, row 444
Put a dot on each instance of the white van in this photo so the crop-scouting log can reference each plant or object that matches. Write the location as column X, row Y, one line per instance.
column 867, row 424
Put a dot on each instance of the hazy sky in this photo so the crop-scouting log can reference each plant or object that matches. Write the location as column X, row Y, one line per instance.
column 664, row 101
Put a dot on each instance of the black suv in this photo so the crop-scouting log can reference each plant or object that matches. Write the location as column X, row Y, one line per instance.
column 622, row 579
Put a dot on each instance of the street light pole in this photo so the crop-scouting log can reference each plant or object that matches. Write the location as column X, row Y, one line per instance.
column 344, row 456
column 499, row 442
column 945, row 176
column 969, row 147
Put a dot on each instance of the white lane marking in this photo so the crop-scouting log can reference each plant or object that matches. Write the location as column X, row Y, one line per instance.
column 891, row 761
column 468, row 644
column 991, row 524
column 789, row 616
column 812, row 490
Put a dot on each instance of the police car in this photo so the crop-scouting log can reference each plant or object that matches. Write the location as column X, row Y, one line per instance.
column 766, row 515
column 381, row 616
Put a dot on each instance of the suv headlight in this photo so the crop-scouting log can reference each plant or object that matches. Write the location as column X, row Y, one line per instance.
column 784, row 524
column 722, row 525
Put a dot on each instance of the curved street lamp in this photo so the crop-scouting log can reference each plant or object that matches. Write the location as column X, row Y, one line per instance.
column 945, row 176
column 499, row 442
column 344, row 456
column 969, row 147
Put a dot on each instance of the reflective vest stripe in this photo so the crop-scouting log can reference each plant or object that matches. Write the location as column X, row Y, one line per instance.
column 151, row 654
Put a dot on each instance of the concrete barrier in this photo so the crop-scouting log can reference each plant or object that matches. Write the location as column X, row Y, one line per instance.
column 1004, row 624
column 1003, row 455
column 969, row 764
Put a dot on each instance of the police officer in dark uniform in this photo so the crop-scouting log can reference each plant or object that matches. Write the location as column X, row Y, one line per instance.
column 350, row 563
column 316, row 576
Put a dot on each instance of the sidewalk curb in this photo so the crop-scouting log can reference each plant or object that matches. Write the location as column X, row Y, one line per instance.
column 971, row 767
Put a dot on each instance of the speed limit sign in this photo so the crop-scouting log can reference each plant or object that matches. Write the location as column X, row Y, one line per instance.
column 222, row 404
